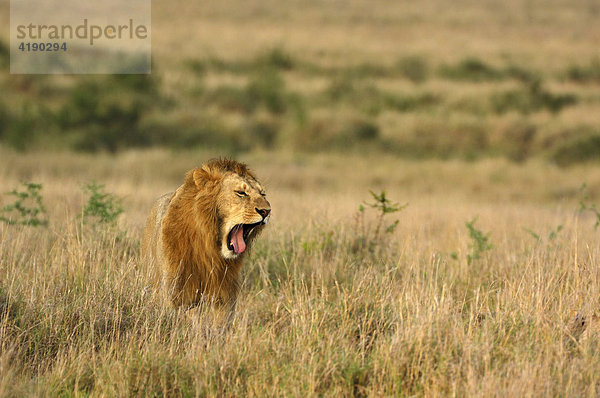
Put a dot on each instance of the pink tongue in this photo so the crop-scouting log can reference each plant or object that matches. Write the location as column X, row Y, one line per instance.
column 237, row 240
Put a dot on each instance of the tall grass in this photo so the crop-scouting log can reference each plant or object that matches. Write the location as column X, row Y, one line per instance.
column 417, row 316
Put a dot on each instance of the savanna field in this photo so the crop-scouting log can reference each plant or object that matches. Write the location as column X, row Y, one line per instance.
column 478, row 120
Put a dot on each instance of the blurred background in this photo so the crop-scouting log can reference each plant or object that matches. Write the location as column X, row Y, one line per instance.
column 470, row 79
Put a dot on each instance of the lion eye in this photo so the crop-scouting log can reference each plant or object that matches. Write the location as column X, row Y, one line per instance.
column 241, row 193
column 263, row 194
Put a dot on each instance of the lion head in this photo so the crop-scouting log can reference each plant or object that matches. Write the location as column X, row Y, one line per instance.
column 196, row 237
column 241, row 206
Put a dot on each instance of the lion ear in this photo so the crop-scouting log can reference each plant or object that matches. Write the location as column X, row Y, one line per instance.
column 201, row 177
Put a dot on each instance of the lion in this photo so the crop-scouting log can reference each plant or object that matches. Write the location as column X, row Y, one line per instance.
column 196, row 238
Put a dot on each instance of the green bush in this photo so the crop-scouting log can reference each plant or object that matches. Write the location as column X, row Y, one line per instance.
column 443, row 139
column 531, row 98
column 369, row 234
column 360, row 131
column 4, row 55
column 521, row 74
column 204, row 132
column 101, row 207
column 106, row 114
column 268, row 89
column 276, row 58
column 585, row 73
column 341, row 88
column 5, row 119
column 20, row 129
column 332, row 134
column 27, row 209
column 471, row 69
column 367, row 70
column 232, row 99
column 198, row 66
column 407, row 103
column 414, row 68
column 581, row 148
column 369, row 99
column 479, row 242
column 262, row 133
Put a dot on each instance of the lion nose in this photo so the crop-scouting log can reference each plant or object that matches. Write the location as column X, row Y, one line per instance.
column 263, row 212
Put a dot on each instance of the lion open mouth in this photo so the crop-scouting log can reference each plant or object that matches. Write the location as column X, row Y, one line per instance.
column 236, row 240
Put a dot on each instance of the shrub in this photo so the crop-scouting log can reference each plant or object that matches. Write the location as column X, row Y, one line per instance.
column 443, row 139
column 5, row 118
column 407, row 103
column 414, row 68
column 585, row 206
column 369, row 237
column 585, row 73
column 360, row 131
column 276, row 58
column 233, row 99
column 531, row 98
column 578, row 149
column 4, row 55
column 106, row 114
column 198, row 66
column 262, row 133
column 102, row 207
column 521, row 74
column 268, row 88
column 471, row 69
column 27, row 208
column 366, row 70
column 331, row 134
column 371, row 100
column 340, row 88
column 479, row 241
column 20, row 129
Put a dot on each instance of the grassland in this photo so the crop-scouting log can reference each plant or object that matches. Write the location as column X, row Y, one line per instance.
column 516, row 79
column 321, row 312
column 483, row 116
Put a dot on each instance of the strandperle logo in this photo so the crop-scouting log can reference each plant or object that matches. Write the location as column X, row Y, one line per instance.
column 86, row 31
column 80, row 36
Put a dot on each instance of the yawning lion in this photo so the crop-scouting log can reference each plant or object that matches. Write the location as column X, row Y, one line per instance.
column 196, row 237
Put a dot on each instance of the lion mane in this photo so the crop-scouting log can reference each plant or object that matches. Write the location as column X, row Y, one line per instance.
column 196, row 238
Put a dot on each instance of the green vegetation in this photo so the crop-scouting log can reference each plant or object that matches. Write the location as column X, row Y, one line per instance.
column 481, row 108
column 370, row 235
column 581, row 146
column 28, row 207
column 589, row 73
column 530, row 99
column 107, row 114
column 479, row 242
column 242, row 105
column 585, row 206
column 4, row 55
column 102, row 207
column 414, row 68
column 471, row 69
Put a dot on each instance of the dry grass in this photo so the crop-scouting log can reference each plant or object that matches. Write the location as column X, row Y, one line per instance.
column 317, row 316
column 321, row 312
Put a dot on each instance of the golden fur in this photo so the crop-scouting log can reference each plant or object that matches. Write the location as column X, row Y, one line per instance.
column 188, row 236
